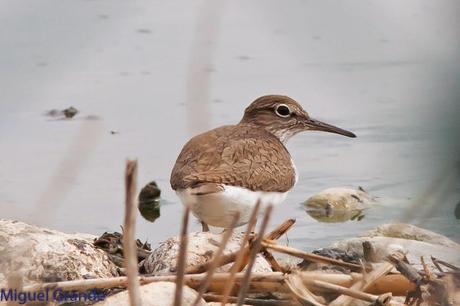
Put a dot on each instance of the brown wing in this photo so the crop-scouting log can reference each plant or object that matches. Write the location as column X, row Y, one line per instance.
column 243, row 156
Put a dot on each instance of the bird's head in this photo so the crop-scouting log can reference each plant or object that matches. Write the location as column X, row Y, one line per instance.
column 284, row 117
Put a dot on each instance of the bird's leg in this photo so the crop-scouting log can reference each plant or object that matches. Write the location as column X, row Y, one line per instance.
column 204, row 227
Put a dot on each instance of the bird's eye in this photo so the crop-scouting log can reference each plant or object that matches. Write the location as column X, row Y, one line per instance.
column 283, row 110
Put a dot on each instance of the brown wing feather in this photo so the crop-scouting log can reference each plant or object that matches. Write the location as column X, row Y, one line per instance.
column 243, row 156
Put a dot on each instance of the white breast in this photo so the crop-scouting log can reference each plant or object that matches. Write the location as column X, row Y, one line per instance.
column 217, row 209
column 296, row 174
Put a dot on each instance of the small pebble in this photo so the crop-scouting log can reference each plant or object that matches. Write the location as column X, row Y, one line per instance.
column 150, row 192
column 70, row 112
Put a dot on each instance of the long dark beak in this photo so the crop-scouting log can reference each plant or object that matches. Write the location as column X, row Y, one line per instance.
column 316, row 125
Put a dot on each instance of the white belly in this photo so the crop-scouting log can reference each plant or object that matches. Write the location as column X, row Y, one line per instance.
column 217, row 209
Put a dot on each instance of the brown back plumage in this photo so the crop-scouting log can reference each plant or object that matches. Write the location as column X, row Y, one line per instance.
column 238, row 155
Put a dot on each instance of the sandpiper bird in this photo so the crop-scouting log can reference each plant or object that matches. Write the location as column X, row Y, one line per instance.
column 230, row 168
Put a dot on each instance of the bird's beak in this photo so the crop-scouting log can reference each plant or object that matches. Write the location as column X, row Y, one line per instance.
column 316, row 125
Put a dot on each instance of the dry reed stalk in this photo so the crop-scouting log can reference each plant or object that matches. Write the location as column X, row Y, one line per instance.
column 129, row 234
column 397, row 284
column 280, row 230
column 308, row 256
column 244, row 257
column 405, row 269
column 216, row 258
column 254, row 250
column 267, row 286
column 106, row 283
column 254, row 287
column 427, row 272
column 436, row 264
column 182, row 258
column 368, row 280
column 254, row 277
column 345, row 280
column 241, row 253
column 272, row 261
column 384, row 299
column 247, row 301
column 445, row 264
column 301, row 293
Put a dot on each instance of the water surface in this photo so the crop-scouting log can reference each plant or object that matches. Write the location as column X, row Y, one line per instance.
column 387, row 71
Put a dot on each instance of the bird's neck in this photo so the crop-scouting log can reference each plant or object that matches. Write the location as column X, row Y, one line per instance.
column 282, row 135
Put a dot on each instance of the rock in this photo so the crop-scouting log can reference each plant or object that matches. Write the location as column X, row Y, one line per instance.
column 67, row 113
column 201, row 247
column 150, row 192
column 411, row 232
column 335, row 253
column 154, row 294
column 70, row 112
column 149, row 201
column 340, row 198
column 410, row 239
column 43, row 255
column 338, row 204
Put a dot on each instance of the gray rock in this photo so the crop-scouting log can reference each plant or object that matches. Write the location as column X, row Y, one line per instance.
column 201, row 247
column 410, row 239
column 43, row 255
column 70, row 112
column 338, row 204
column 411, row 232
column 340, row 198
column 154, row 294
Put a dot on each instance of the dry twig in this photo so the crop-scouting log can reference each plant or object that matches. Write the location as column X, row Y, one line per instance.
column 383, row 299
column 181, row 261
column 308, row 256
column 247, row 301
column 240, row 256
column 446, row 264
column 129, row 234
column 111, row 282
column 425, row 269
column 405, row 269
column 436, row 264
column 280, row 230
column 272, row 261
column 254, row 250
column 370, row 278
column 301, row 293
column 216, row 259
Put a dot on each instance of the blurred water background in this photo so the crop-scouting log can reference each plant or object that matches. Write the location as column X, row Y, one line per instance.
column 158, row 72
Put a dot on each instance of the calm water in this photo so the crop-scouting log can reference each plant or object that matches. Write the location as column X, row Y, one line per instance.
column 157, row 73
